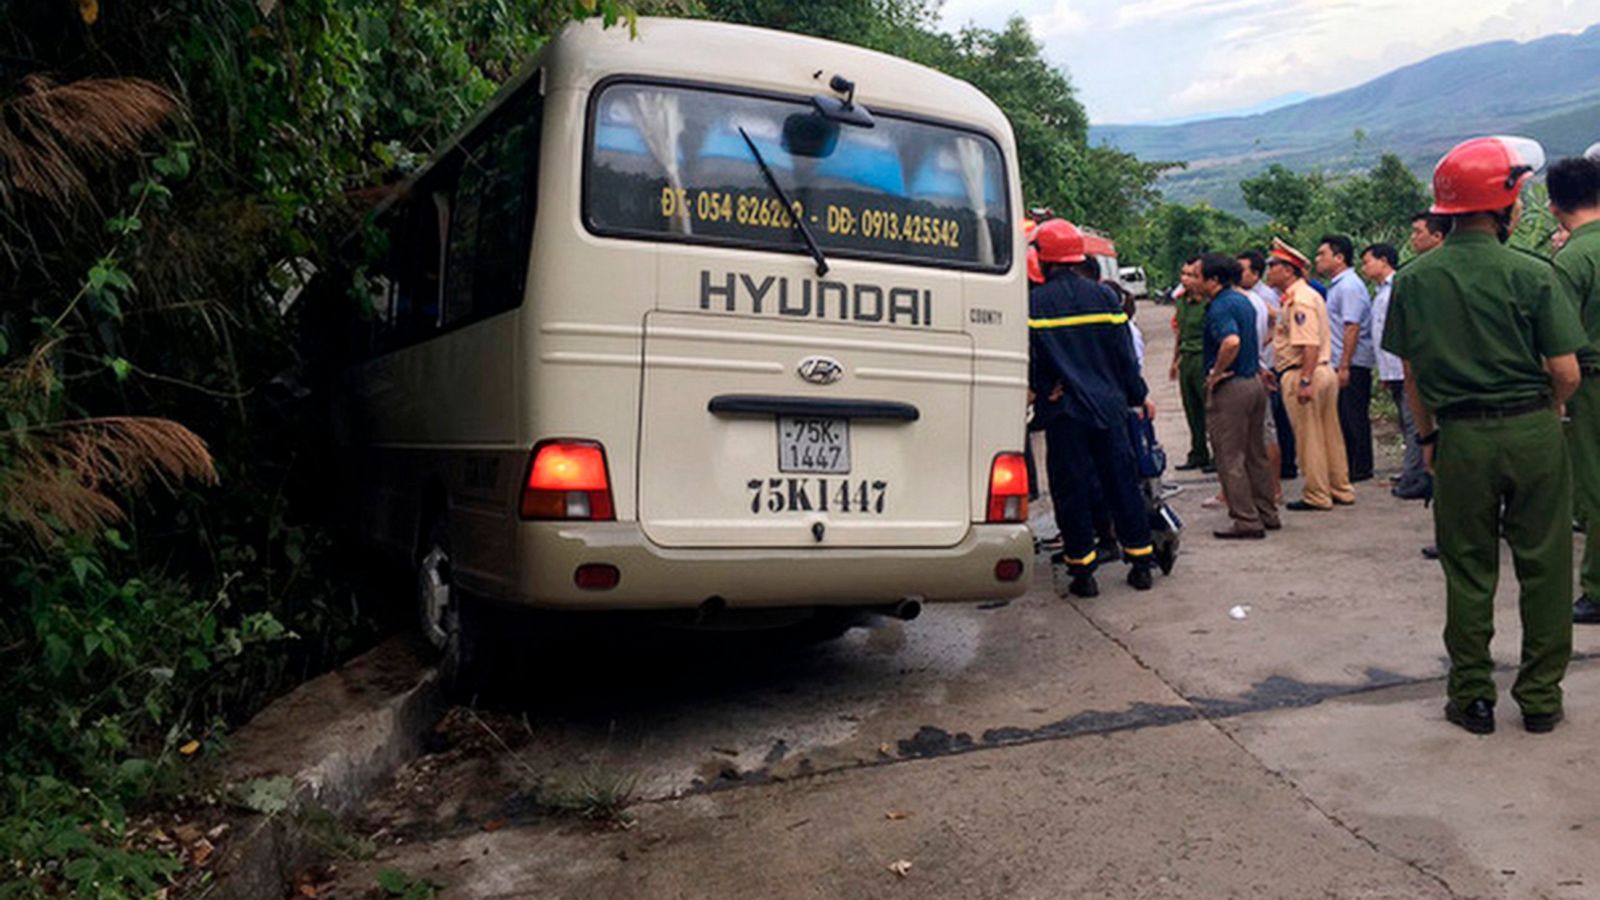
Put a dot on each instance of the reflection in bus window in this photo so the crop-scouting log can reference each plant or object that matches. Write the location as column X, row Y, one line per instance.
column 494, row 213
column 672, row 162
column 416, row 262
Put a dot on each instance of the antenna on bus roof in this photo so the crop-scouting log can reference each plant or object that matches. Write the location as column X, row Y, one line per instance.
column 845, row 110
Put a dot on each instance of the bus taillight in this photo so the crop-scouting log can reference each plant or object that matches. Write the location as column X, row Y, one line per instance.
column 568, row 480
column 1008, row 488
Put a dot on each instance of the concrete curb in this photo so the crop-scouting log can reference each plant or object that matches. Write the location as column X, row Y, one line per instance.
column 336, row 738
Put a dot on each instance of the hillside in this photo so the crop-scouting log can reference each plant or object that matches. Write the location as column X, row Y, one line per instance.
column 1548, row 89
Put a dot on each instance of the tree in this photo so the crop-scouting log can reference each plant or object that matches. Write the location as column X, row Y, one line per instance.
column 159, row 162
column 1111, row 190
column 880, row 24
column 1098, row 186
column 1379, row 205
column 1171, row 233
column 1288, row 197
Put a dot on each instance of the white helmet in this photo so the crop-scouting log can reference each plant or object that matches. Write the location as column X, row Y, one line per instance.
column 1593, row 152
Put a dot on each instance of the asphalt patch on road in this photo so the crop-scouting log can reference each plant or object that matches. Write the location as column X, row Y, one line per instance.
column 1139, row 715
column 930, row 741
column 1282, row 692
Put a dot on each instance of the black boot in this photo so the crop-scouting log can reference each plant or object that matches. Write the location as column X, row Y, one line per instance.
column 1477, row 717
column 1084, row 585
column 1542, row 723
column 1139, row 577
column 1586, row 611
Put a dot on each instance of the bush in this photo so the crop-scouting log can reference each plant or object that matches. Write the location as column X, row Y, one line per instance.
column 169, row 173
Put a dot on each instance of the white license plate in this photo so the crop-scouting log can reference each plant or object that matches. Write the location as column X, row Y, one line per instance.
column 813, row 444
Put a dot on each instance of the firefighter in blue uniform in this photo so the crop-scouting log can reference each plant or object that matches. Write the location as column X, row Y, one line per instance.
column 1085, row 377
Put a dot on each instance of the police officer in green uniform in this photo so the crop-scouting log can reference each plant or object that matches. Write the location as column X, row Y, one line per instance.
column 1489, row 342
column 1575, row 199
column 1189, row 365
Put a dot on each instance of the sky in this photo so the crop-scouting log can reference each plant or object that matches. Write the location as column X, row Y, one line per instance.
column 1150, row 60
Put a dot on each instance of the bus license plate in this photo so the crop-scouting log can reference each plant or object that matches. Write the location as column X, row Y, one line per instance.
column 813, row 444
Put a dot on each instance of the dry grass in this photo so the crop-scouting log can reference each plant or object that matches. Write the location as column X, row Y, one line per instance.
column 53, row 135
column 596, row 794
column 61, row 476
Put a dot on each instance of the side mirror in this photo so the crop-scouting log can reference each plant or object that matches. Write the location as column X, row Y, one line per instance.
column 809, row 134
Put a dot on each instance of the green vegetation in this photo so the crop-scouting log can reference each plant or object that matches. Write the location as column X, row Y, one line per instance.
column 1370, row 206
column 169, row 172
column 395, row 883
column 596, row 794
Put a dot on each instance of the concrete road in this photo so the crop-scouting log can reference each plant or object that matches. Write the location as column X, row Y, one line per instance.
column 1134, row 745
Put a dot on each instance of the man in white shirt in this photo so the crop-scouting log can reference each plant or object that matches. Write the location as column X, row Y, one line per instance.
column 1378, row 263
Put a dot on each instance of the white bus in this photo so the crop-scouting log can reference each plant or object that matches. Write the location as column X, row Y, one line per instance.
column 606, row 369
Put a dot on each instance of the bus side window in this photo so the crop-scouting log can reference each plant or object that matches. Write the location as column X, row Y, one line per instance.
column 416, row 256
column 492, row 225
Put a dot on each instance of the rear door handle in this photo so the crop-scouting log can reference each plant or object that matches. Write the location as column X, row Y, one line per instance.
column 772, row 405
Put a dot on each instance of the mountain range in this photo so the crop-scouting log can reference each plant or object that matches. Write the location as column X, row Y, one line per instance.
column 1547, row 89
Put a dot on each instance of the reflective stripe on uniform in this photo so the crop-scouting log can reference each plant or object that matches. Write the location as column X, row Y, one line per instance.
column 1146, row 550
column 1085, row 319
column 1082, row 562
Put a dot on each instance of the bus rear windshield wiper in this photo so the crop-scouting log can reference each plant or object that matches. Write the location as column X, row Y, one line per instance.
column 788, row 208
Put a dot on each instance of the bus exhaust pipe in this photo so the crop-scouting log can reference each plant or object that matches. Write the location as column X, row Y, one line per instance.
column 713, row 609
column 907, row 609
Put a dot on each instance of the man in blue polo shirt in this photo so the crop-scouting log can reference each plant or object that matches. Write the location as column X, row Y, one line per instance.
column 1350, row 327
column 1236, row 401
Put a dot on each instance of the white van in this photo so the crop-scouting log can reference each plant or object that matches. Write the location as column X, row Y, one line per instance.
column 715, row 319
column 1133, row 281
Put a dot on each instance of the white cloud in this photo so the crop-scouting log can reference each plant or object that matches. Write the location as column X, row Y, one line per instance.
column 1063, row 18
column 1170, row 12
column 1244, row 32
column 1163, row 58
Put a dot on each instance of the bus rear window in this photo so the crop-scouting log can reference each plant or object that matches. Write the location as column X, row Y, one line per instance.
column 671, row 163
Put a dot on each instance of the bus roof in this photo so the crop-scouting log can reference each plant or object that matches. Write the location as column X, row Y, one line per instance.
column 586, row 53
column 761, row 59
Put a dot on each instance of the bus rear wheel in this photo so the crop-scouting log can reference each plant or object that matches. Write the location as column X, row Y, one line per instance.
column 450, row 620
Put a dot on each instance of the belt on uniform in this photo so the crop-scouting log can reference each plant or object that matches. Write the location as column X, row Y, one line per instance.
column 1287, row 369
column 1461, row 413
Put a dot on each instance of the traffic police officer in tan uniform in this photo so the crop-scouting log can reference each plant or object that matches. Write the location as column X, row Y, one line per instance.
column 1302, row 350
column 1489, row 341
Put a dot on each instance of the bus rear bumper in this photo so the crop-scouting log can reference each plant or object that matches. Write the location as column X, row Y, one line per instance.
column 660, row 578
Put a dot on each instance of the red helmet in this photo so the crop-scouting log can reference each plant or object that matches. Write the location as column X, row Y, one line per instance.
column 1484, row 174
column 1035, row 271
column 1059, row 241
